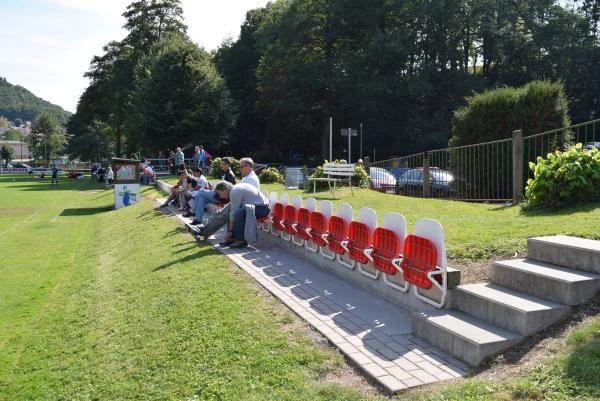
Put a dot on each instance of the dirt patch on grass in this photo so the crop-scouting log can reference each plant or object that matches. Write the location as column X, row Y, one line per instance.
column 91, row 191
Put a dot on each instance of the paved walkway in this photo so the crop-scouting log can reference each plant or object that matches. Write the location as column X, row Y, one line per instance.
column 370, row 330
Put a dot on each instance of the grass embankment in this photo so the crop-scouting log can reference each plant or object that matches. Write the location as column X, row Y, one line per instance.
column 114, row 305
column 474, row 231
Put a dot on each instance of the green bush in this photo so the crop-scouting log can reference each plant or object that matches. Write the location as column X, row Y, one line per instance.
column 235, row 166
column 360, row 178
column 270, row 176
column 564, row 178
column 493, row 115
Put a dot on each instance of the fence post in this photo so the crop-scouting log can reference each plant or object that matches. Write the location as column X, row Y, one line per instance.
column 426, row 192
column 517, row 165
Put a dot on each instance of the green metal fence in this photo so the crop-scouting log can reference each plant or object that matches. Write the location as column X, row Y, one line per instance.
column 486, row 172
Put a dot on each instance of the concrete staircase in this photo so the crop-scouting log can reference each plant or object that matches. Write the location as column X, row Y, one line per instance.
column 525, row 297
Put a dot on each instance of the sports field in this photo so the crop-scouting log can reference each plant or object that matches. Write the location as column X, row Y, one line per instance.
column 97, row 304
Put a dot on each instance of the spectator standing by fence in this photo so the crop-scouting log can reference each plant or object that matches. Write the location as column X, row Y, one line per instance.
column 179, row 158
column 109, row 175
column 161, row 159
column 172, row 164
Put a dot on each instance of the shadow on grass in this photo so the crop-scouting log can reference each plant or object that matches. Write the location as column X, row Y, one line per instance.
column 43, row 185
column 85, row 211
column 151, row 214
column 202, row 252
column 565, row 211
column 582, row 367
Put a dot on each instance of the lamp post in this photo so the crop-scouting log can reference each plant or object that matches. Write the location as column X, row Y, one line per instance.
column 361, row 156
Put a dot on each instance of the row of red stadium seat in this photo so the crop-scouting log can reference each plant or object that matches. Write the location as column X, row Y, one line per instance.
column 419, row 257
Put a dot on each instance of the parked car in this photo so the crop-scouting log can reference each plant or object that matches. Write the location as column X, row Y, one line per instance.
column 382, row 180
column 440, row 182
column 23, row 165
column 591, row 145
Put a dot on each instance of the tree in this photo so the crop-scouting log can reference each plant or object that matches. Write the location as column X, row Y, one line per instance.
column 4, row 123
column 47, row 139
column 13, row 135
column 107, row 99
column 6, row 154
column 179, row 99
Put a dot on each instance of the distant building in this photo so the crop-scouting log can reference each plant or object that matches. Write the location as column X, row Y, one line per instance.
column 20, row 150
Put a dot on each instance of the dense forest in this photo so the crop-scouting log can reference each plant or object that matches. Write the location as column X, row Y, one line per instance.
column 17, row 102
column 401, row 68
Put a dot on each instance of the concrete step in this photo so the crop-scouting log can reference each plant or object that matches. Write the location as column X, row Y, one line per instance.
column 545, row 280
column 512, row 310
column 576, row 253
column 464, row 336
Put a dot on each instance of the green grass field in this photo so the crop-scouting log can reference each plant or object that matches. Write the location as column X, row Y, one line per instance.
column 97, row 304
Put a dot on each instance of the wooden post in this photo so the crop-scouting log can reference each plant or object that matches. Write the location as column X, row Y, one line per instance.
column 426, row 191
column 517, row 164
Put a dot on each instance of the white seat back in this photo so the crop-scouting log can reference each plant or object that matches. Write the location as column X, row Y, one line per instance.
column 433, row 231
column 326, row 209
column 297, row 201
column 345, row 211
column 285, row 198
column 397, row 223
column 273, row 198
column 310, row 204
column 368, row 217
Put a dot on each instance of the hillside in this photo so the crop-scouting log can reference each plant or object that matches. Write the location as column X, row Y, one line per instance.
column 18, row 102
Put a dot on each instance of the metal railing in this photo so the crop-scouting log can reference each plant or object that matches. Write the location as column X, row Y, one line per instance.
column 494, row 171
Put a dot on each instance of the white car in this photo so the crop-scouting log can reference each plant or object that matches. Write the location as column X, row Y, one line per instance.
column 382, row 180
column 23, row 165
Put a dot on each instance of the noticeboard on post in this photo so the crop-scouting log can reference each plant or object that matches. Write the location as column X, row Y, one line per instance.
column 127, row 182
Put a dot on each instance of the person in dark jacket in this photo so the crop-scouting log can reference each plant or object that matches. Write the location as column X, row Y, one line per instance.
column 227, row 173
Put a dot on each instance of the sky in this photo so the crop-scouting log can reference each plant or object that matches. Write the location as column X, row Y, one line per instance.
column 49, row 43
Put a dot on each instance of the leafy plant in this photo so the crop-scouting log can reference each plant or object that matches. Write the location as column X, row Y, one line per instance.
column 564, row 178
column 271, row 176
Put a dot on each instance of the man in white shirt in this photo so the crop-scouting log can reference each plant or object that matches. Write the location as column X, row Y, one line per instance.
column 249, row 176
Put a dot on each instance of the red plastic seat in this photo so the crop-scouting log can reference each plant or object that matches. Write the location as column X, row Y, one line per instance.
column 338, row 232
column 302, row 224
column 261, row 220
column 290, row 217
column 386, row 247
column 360, row 239
column 420, row 257
column 278, row 214
column 318, row 227
column 220, row 205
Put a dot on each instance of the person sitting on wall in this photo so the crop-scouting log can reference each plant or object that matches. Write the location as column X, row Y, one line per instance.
column 242, row 197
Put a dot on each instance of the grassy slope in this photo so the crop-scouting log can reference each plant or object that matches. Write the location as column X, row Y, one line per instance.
column 473, row 231
column 102, row 304
column 158, row 317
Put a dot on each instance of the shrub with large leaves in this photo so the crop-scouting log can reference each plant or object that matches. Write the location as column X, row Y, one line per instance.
column 565, row 178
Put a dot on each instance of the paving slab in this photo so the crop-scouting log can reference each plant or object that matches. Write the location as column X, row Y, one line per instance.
column 373, row 333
